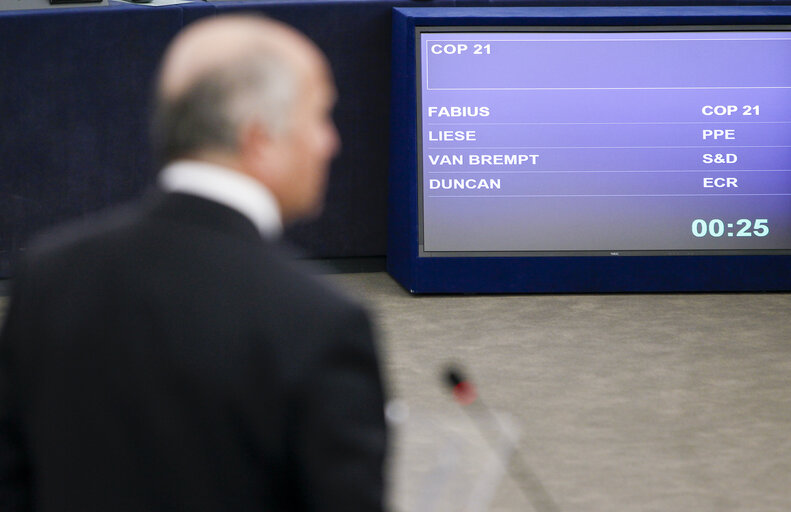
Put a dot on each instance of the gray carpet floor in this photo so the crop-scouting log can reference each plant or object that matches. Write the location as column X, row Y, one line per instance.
column 621, row 402
column 616, row 402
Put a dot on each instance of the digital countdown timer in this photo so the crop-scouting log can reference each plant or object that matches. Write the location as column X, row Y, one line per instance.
column 605, row 142
column 717, row 228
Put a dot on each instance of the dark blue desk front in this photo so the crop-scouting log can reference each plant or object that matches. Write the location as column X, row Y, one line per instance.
column 74, row 98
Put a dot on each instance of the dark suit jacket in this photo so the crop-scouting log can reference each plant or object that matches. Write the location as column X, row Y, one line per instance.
column 169, row 359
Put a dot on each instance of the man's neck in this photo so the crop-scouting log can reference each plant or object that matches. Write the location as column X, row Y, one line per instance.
column 226, row 186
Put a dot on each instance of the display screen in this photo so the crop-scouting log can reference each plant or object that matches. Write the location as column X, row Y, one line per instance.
column 604, row 142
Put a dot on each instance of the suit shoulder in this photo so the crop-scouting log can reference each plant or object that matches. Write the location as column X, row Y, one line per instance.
column 79, row 234
column 299, row 287
column 82, row 231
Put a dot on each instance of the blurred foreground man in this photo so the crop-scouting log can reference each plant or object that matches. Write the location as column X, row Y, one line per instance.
column 168, row 357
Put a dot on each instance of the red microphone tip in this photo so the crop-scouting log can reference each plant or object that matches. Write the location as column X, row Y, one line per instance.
column 464, row 393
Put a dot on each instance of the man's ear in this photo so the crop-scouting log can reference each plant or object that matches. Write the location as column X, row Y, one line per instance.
column 257, row 150
column 253, row 140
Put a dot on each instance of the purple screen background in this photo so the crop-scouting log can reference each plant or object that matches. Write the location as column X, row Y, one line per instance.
column 617, row 122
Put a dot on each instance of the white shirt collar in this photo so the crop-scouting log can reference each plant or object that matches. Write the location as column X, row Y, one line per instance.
column 227, row 187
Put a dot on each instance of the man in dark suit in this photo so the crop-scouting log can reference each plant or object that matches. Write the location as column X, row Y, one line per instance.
column 168, row 356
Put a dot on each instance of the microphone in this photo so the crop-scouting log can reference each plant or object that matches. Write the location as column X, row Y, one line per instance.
column 528, row 482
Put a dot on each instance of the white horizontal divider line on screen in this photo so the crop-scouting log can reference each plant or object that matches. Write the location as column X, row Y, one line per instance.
column 586, row 40
column 475, row 148
column 719, row 170
column 464, row 123
column 492, row 196
column 428, row 88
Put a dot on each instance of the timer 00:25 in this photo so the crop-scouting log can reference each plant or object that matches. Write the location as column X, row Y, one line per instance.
column 717, row 228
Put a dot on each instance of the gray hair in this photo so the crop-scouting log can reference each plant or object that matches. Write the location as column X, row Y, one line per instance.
column 209, row 113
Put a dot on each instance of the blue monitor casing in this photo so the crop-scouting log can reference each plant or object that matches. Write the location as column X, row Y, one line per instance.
column 591, row 149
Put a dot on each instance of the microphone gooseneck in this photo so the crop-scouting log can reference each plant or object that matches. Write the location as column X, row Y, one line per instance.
column 465, row 394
